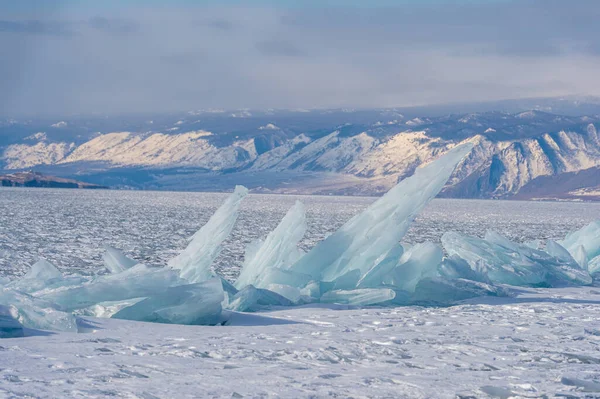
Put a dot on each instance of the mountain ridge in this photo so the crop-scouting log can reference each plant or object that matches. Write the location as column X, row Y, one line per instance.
column 510, row 151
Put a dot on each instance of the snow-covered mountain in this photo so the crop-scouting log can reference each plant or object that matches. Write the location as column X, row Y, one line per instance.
column 302, row 152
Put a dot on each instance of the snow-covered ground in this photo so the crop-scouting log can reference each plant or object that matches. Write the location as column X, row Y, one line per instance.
column 543, row 342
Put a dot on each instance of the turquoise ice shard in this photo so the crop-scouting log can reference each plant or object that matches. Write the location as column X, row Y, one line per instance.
column 115, row 261
column 278, row 251
column 36, row 313
column 558, row 251
column 417, row 263
column 136, row 282
column 507, row 262
column 580, row 256
column 191, row 304
column 41, row 275
column 251, row 299
column 594, row 266
column 359, row 297
column 365, row 240
column 436, row 291
column 455, row 267
column 587, row 237
column 9, row 325
column 194, row 262
column 377, row 274
column 43, row 270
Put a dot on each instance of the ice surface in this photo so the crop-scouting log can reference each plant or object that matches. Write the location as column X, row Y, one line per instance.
column 115, row 261
column 195, row 261
column 278, row 251
column 366, row 239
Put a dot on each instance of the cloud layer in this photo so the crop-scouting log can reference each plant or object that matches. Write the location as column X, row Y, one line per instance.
column 148, row 59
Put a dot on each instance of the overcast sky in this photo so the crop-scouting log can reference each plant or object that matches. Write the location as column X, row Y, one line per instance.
column 67, row 57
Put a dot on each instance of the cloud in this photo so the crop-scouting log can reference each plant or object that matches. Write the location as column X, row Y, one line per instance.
column 279, row 48
column 36, row 27
column 145, row 59
column 113, row 25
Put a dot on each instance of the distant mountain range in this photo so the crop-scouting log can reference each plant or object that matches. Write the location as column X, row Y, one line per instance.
column 549, row 151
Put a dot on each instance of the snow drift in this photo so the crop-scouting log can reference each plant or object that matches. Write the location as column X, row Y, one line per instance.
column 363, row 263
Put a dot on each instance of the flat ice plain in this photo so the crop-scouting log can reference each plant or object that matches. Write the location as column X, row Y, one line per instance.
column 544, row 342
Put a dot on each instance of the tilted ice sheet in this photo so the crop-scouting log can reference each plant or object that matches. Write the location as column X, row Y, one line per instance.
column 195, row 261
column 278, row 251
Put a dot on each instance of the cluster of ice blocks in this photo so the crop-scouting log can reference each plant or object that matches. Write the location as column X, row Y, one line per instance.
column 363, row 263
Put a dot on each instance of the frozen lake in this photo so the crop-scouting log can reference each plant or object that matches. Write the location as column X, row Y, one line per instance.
column 70, row 227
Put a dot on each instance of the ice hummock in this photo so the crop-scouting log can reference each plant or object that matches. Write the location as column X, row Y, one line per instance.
column 366, row 239
column 364, row 263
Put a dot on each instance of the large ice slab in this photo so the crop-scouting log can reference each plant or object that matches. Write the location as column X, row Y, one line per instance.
column 194, row 262
column 365, row 240
column 278, row 251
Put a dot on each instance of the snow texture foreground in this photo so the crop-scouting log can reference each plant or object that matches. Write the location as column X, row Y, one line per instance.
column 361, row 264
column 541, row 343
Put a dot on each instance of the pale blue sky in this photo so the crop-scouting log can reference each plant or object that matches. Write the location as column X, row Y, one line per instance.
column 68, row 57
